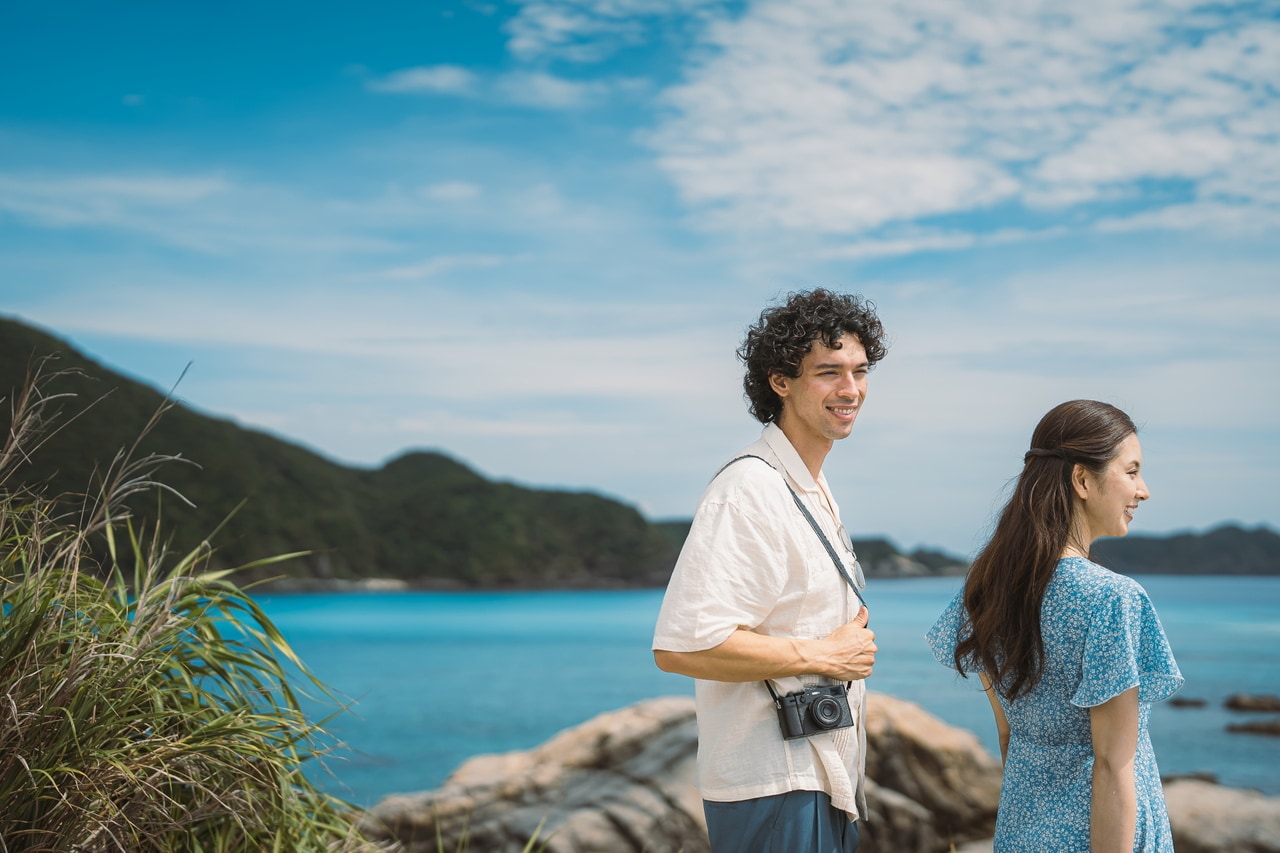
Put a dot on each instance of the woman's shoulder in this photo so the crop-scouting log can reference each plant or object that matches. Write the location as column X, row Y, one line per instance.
column 1084, row 577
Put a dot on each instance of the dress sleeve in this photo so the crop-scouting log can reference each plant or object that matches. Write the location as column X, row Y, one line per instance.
column 945, row 633
column 1125, row 647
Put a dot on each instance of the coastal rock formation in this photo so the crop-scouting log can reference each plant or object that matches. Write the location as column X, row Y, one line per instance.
column 624, row 781
column 932, row 784
column 1252, row 702
column 1256, row 727
column 1208, row 818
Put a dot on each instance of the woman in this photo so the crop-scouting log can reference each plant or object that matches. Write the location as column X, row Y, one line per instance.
column 1071, row 655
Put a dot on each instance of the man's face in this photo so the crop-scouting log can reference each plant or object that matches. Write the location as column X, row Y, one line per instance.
column 820, row 405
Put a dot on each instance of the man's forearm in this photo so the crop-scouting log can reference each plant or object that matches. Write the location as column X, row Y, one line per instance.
column 748, row 656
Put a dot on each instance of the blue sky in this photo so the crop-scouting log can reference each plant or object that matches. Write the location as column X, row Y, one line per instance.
column 530, row 234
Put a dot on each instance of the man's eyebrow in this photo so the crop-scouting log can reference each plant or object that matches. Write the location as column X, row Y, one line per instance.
column 826, row 365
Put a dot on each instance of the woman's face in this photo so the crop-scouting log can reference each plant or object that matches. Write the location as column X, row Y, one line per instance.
column 1111, row 496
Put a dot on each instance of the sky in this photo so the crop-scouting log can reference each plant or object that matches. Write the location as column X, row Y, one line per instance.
column 531, row 234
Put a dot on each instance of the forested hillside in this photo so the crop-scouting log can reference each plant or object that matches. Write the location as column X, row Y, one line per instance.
column 1225, row 550
column 424, row 517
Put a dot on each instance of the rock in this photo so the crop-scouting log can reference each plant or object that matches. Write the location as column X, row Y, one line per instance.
column 897, row 566
column 1208, row 818
column 987, row 846
column 1200, row 776
column 1257, row 727
column 624, row 781
column 943, row 769
column 895, row 822
column 1186, row 702
column 1253, row 702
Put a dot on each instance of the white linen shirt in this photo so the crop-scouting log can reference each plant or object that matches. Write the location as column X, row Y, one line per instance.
column 752, row 561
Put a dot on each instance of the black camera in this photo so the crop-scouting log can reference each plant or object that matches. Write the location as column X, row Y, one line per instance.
column 813, row 710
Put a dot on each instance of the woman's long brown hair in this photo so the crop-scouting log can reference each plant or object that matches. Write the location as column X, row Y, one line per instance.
column 1005, row 587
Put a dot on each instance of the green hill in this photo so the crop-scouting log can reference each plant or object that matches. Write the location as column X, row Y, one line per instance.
column 423, row 518
column 1225, row 550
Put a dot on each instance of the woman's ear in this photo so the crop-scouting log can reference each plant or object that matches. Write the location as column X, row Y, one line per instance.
column 1080, row 481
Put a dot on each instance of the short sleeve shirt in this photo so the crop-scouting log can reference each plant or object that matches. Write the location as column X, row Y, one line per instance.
column 752, row 561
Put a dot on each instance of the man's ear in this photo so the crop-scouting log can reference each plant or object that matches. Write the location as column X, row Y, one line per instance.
column 1080, row 481
column 780, row 384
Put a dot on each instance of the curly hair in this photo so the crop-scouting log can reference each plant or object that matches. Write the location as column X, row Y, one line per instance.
column 784, row 334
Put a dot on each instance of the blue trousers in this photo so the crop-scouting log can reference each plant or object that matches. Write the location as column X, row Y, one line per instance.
column 794, row 822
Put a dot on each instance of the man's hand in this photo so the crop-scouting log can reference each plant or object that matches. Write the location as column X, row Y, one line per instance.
column 850, row 651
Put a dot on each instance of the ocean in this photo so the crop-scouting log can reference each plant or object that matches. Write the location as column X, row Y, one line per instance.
column 434, row 678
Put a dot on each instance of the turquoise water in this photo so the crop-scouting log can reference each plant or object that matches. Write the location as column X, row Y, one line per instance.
column 438, row 677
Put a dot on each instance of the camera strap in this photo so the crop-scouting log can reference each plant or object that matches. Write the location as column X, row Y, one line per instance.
column 813, row 522
column 826, row 543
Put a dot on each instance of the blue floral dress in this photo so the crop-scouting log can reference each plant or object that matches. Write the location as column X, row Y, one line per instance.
column 1101, row 637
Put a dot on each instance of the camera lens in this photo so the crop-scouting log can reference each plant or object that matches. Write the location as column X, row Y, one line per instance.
column 826, row 712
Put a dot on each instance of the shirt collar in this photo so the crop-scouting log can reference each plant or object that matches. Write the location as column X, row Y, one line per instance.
column 790, row 458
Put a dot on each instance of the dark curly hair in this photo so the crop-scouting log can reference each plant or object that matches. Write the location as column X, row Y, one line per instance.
column 785, row 333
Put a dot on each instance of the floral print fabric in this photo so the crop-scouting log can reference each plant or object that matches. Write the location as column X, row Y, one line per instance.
column 1102, row 636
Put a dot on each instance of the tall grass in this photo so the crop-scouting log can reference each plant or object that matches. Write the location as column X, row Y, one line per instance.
column 146, row 702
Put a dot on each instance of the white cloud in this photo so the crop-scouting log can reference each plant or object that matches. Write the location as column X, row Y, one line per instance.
column 434, row 344
column 525, row 88
column 827, row 116
column 202, row 213
column 452, row 191
column 591, row 30
column 1243, row 221
column 101, row 199
column 443, row 79
column 442, row 264
column 1127, row 147
column 537, row 89
column 900, row 246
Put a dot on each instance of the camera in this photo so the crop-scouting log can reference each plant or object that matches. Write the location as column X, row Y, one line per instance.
column 813, row 710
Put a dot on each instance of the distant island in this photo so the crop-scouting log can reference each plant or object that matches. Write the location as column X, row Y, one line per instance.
column 1225, row 550
column 424, row 520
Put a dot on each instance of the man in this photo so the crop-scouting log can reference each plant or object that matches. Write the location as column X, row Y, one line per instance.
column 757, row 605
